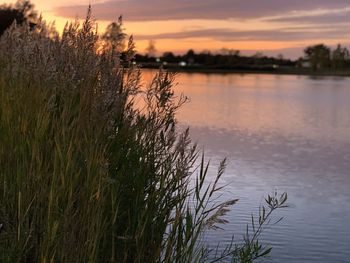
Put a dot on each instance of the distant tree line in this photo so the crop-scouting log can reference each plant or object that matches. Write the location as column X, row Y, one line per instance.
column 316, row 57
column 225, row 59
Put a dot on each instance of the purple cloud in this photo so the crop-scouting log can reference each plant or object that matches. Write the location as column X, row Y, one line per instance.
column 327, row 18
column 150, row 10
column 225, row 34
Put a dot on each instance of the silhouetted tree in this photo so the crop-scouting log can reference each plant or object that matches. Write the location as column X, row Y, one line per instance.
column 114, row 36
column 21, row 12
column 234, row 53
column 319, row 56
column 339, row 57
column 190, row 56
column 190, row 53
column 169, row 57
column 151, row 49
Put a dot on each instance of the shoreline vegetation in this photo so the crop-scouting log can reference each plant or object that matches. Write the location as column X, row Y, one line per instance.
column 266, row 70
column 85, row 174
column 318, row 60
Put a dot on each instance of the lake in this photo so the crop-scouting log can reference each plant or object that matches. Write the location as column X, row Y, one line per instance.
column 284, row 133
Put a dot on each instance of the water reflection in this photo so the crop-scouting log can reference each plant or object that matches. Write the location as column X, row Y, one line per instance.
column 317, row 109
column 285, row 132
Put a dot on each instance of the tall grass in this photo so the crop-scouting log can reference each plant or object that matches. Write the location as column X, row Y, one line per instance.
column 85, row 175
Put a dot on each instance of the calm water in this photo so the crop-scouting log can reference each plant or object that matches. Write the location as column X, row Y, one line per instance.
column 288, row 133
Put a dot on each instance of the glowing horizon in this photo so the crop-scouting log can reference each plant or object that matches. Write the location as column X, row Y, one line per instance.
column 180, row 26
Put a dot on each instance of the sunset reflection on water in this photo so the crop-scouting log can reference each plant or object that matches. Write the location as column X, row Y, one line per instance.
column 290, row 133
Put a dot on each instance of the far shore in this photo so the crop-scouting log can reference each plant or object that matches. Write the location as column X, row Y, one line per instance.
column 269, row 71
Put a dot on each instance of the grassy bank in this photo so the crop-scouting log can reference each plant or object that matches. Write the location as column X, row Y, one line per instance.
column 85, row 175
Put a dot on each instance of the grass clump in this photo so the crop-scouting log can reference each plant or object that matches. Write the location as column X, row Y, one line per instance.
column 85, row 175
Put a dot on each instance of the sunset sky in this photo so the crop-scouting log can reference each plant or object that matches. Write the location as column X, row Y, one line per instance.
column 270, row 26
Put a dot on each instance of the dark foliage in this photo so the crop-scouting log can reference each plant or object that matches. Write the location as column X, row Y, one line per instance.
column 229, row 60
column 21, row 12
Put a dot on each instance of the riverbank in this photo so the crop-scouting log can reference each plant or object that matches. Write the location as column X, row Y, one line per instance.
column 261, row 70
